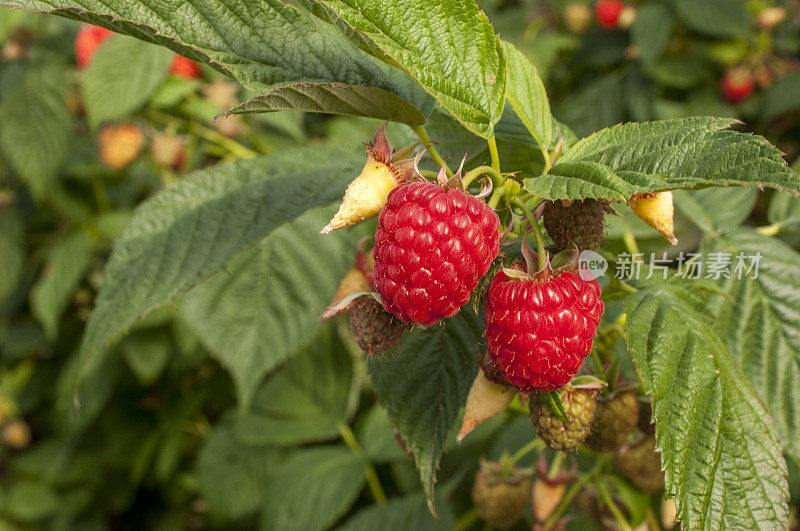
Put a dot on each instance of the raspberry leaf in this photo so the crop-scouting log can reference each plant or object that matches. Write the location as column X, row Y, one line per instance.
column 784, row 211
column 701, row 207
column 648, row 157
column 425, row 383
column 269, row 47
column 717, row 18
column 123, row 75
column 307, row 400
column 242, row 314
column 333, row 98
column 35, row 129
column 211, row 217
column 762, row 324
column 401, row 514
column 720, row 449
column 449, row 48
column 528, row 96
column 312, row 489
column 651, row 31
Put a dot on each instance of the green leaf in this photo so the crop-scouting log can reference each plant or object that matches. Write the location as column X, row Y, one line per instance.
column 424, row 385
column 528, row 96
column 264, row 45
column 651, row 31
column 312, row 489
column 123, row 75
column 35, row 129
column 719, row 447
column 334, row 98
column 401, row 514
column 147, row 353
column 648, row 157
column 376, row 436
column 12, row 252
column 65, row 266
column 784, row 209
column 231, row 476
column 782, row 97
column 196, row 227
column 267, row 303
column 29, row 500
column 762, row 324
column 306, row 401
column 716, row 18
column 448, row 47
column 77, row 406
column 702, row 207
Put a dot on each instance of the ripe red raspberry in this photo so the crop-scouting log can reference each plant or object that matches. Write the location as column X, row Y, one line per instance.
column 432, row 247
column 87, row 42
column 737, row 84
column 538, row 332
column 608, row 12
column 185, row 68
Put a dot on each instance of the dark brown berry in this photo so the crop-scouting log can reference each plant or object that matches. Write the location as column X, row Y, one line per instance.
column 581, row 223
column 376, row 331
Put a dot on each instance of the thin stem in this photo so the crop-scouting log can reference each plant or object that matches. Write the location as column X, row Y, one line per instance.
column 372, row 476
column 630, row 243
column 466, row 520
column 618, row 516
column 234, row 147
column 572, row 492
column 493, row 152
column 537, row 232
column 547, row 162
column 100, row 195
column 555, row 466
column 470, row 176
column 497, row 195
column 535, row 444
column 428, row 143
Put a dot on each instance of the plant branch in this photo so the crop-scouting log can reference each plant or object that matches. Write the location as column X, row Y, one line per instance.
column 537, row 232
column 428, row 143
column 470, row 176
column 493, row 152
column 372, row 476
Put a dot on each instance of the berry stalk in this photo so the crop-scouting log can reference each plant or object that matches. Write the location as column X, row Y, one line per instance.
column 537, row 233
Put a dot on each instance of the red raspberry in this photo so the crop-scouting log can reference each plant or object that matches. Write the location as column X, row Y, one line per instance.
column 432, row 247
column 87, row 42
column 608, row 12
column 737, row 84
column 183, row 67
column 538, row 332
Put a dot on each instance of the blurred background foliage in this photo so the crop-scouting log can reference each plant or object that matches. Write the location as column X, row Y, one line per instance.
column 236, row 408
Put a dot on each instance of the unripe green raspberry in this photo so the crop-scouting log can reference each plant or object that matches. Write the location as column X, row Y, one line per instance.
column 376, row 331
column 500, row 498
column 641, row 465
column 579, row 406
column 614, row 421
column 581, row 223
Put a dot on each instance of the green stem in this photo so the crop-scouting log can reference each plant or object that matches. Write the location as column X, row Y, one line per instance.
column 630, row 243
column 429, row 174
column 493, row 152
column 609, row 502
column 537, row 232
column 428, row 143
column 234, row 147
column 100, row 195
column 547, row 162
column 555, row 466
column 497, row 195
column 372, row 476
column 470, row 176
column 466, row 520
column 572, row 492
column 534, row 445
